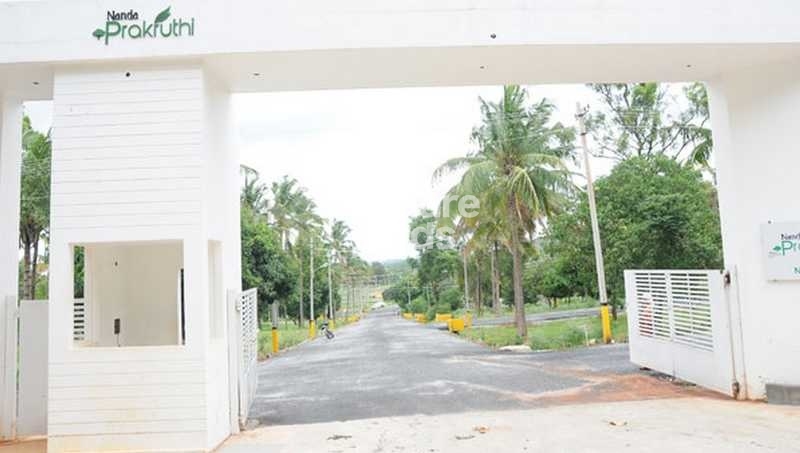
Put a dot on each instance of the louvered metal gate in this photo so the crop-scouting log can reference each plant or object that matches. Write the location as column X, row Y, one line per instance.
column 678, row 324
column 245, row 335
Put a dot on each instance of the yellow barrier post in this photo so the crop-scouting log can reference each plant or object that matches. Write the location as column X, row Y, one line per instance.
column 456, row 325
column 275, row 343
column 605, row 319
column 312, row 329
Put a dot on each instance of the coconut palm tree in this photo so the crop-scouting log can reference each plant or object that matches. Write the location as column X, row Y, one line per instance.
column 34, row 203
column 340, row 243
column 518, row 173
column 254, row 192
column 293, row 214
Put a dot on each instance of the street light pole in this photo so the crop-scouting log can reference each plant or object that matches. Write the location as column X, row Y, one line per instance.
column 331, row 308
column 598, row 248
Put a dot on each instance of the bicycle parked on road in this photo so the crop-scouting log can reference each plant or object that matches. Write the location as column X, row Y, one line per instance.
column 327, row 331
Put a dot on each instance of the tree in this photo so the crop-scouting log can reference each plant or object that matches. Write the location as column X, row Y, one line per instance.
column 697, row 132
column 264, row 265
column 254, row 192
column 294, row 216
column 518, row 172
column 437, row 263
column 654, row 213
column 34, row 203
column 643, row 119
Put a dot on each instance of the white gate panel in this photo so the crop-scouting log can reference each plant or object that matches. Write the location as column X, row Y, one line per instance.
column 678, row 324
column 244, row 328
column 32, row 409
column 248, row 310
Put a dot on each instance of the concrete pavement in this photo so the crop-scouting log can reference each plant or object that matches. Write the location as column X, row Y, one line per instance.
column 685, row 425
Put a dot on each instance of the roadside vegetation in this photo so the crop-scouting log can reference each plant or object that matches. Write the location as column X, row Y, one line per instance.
column 289, row 334
column 528, row 247
column 561, row 334
column 286, row 243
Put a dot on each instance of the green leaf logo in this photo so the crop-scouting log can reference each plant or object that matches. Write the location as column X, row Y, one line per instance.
column 777, row 248
column 99, row 33
column 163, row 15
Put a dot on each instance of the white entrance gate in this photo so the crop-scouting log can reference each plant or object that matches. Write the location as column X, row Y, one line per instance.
column 243, row 331
column 678, row 324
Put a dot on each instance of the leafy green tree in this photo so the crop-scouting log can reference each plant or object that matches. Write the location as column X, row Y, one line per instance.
column 264, row 265
column 643, row 119
column 697, row 131
column 654, row 213
column 34, row 202
column 437, row 263
column 518, row 172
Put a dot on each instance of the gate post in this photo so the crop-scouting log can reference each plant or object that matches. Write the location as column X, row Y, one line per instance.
column 10, row 171
column 8, row 360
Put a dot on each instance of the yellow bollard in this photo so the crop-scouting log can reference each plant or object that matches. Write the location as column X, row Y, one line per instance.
column 455, row 325
column 605, row 319
column 312, row 329
column 275, row 344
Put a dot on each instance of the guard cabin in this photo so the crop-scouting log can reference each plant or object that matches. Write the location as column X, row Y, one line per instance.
column 144, row 250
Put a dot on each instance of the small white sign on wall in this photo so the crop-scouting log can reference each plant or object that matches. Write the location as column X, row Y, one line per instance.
column 780, row 244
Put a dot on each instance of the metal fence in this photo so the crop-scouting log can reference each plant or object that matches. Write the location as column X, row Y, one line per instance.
column 247, row 326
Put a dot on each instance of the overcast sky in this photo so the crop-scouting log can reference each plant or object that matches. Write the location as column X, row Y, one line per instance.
column 366, row 156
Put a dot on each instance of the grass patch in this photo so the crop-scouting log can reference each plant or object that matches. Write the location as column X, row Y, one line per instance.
column 494, row 336
column 289, row 334
column 562, row 334
column 571, row 333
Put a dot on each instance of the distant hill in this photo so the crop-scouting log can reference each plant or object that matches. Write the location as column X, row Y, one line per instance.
column 396, row 266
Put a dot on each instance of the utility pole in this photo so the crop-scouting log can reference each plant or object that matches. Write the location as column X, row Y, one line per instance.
column 331, row 308
column 598, row 247
column 312, row 328
column 466, row 280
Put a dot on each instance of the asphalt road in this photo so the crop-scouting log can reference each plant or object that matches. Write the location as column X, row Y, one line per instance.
column 386, row 366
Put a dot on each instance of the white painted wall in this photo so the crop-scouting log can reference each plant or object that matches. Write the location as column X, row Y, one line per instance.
column 754, row 116
column 128, row 165
column 222, row 219
column 137, row 283
column 315, row 44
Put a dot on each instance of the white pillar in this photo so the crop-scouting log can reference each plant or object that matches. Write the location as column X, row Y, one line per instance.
column 10, row 156
column 755, row 114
